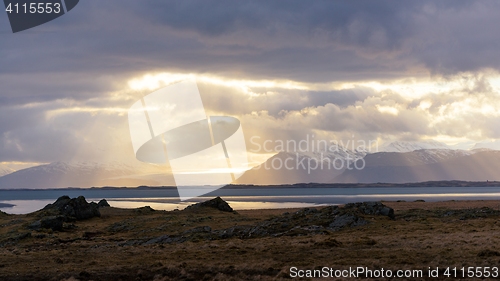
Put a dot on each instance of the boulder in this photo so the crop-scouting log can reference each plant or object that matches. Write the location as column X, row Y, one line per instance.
column 103, row 203
column 159, row 240
column 347, row 220
column 216, row 203
column 199, row 229
column 77, row 208
column 371, row 208
column 52, row 222
column 144, row 210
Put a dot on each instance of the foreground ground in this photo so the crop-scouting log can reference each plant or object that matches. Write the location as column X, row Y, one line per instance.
column 209, row 244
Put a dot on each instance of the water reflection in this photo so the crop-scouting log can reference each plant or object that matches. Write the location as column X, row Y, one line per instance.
column 29, row 206
column 26, row 201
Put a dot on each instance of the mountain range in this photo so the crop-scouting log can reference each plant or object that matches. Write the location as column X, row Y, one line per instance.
column 425, row 165
column 399, row 162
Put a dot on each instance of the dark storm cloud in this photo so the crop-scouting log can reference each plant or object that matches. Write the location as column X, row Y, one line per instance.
column 85, row 58
column 215, row 18
column 300, row 40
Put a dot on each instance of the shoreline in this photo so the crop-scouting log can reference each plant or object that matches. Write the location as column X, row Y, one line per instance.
column 24, row 207
column 446, row 183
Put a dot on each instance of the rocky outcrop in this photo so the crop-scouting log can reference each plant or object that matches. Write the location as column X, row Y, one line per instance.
column 65, row 209
column 371, row 208
column 73, row 208
column 144, row 210
column 103, row 203
column 306, row 221
column 53, row 222
column 216, row 203
column 346, row 220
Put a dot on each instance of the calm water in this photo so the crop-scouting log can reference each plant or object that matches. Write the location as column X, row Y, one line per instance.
column 26, row 201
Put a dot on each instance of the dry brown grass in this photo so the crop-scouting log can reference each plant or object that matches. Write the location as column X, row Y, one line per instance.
column 421, row 236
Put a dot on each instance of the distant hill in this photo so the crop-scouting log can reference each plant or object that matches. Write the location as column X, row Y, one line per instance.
column 61, row 175
column 430, row 165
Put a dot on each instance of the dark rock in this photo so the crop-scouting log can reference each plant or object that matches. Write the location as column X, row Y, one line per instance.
column 103, row 203
column 347, row 220
column 330, row 210
column 199, row 229
column 53, row 222
column 216, row 203
column 386, row 211
column 159, row 240
column 22, row 236
column 306, row 211
column 144, row 210
column 37, row 225
column 371, row 208
column 237, row 231
column 131, row 243
column 302, row 231
column 77, row 208
column 261, row 230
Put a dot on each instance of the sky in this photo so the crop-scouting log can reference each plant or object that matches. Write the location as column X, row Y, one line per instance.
column 371, row 70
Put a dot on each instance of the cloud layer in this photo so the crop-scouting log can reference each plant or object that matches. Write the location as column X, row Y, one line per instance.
column 385, row 70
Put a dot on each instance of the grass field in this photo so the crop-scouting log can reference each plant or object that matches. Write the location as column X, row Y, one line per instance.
column 143, row 244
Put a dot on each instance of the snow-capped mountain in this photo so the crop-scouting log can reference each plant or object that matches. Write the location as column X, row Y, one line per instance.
column 378, row 166
column 408, row 146
column 416, row 157
column 301, row 167
column 85, row 174
column 426, row 165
